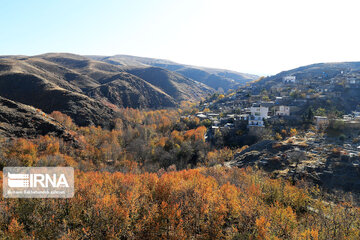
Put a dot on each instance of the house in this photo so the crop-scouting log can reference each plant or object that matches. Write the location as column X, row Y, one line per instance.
column 259, row 110
column 289, row 79
column 214, row 129
column 257, row 115
column 321, row 121
column 243, row 117
column 348, row 117
column 356, row 115
column 201, row 116
column 352, row 81
column 212, row 114
column 229, row 125
column 267, row 104
column 256, row 121
column 282, row 110
column 322, row 89
column 216, row 123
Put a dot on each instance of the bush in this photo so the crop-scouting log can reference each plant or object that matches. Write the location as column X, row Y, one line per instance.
column 342, row 137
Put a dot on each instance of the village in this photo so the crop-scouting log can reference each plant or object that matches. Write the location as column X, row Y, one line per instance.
column 245, row 111
column 281, row 134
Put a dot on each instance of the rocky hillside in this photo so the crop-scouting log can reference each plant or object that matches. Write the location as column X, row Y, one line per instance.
column 19, row 120
column 214, row 78
column 306, row 158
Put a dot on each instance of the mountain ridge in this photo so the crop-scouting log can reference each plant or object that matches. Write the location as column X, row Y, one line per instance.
column 213, row 77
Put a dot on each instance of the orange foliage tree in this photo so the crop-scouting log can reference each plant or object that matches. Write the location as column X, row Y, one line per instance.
column 204, row 203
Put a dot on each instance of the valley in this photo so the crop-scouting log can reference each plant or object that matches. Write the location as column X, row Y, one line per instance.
column 287, row 143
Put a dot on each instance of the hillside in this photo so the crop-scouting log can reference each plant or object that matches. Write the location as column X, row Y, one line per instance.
column 38, row 92
column 334, row 87
column 214, row 78
column 19, row 120
column 126, row 90
column 91, row 91
column 321, row 71
column 173, row 84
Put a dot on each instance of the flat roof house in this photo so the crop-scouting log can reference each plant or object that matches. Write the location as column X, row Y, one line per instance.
column 257, row 115
column 282, row 110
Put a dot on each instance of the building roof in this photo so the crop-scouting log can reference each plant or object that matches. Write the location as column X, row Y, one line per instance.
column 201, row 115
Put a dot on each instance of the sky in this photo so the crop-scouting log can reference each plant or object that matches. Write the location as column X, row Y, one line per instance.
column 260, row 37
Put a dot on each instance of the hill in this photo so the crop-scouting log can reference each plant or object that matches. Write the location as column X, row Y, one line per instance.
column 334, row 87
column 320, row 71
column 91, row 91
column 215, row 78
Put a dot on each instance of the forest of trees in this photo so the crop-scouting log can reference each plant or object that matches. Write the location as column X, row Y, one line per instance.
column 141, row 141
column 155, row 177
column 202, row 203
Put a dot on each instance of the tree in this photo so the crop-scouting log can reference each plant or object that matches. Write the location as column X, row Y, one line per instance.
column 221, row 96
column 293, row 132
column 309, row 115
column 278, row 136
column 63, row 119
column 16, row 230
column 206, row 122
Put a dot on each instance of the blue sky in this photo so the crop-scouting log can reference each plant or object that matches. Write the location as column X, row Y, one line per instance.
column 258, row 36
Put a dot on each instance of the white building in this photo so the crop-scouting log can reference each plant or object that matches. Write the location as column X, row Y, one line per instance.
column 259, row 111
column 282, row 111
column 214, row 129
column 257, row 115
column 201, row 115
column 356, row 115
column 256, row 121
column 243, row 117
column 216, row 123
column 353, row 80
column 289, row 79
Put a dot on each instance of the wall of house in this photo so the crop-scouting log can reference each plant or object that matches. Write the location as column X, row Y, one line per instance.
column 259, row 111
column 283, row 111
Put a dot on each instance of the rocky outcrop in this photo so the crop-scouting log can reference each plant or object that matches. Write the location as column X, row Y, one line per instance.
column 293, row 161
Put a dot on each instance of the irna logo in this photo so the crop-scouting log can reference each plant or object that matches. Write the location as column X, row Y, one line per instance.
column 38, row 182
column 16, row 180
